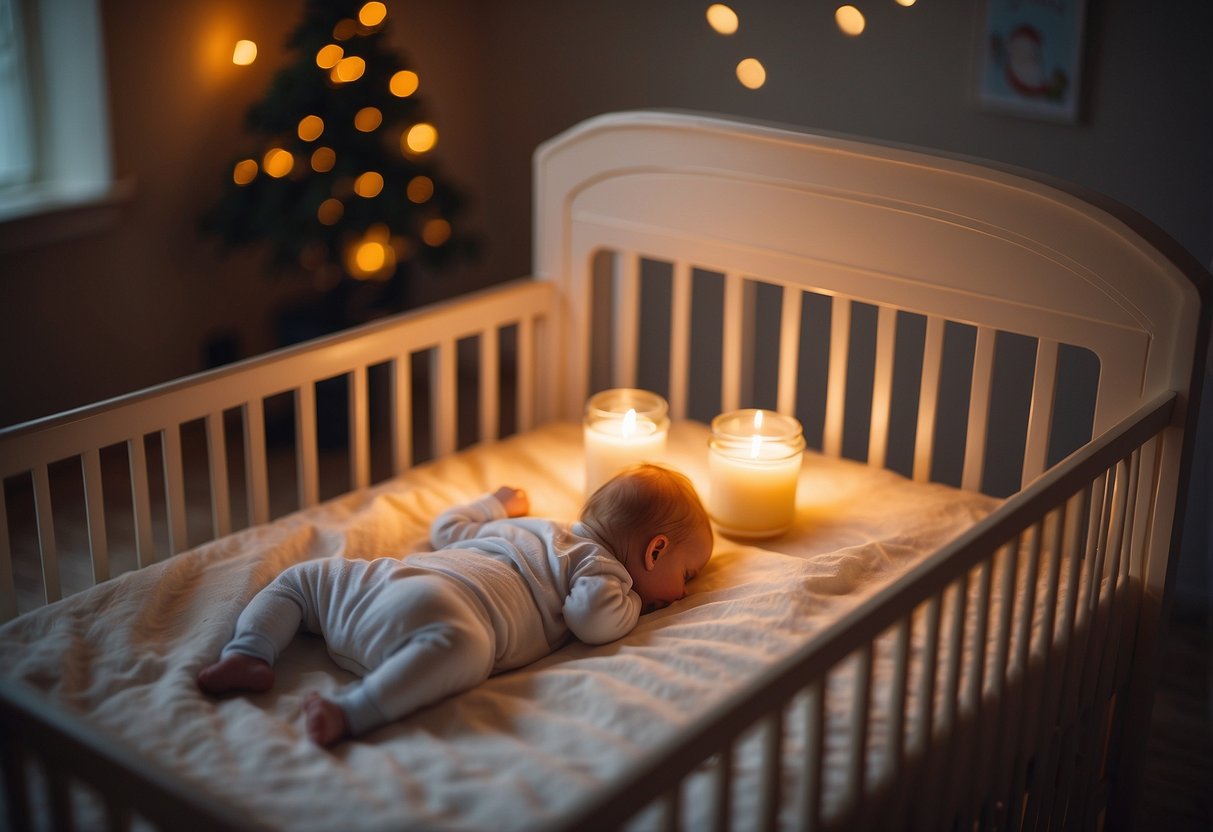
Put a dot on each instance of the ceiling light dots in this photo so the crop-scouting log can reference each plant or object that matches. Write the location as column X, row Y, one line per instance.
column 850, row 20
column 722, row 19
column 751, row 73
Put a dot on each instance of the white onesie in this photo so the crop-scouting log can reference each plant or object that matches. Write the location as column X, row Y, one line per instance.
column 499, row 594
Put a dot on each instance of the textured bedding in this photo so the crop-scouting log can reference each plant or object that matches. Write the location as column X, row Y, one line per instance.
column 520, row 746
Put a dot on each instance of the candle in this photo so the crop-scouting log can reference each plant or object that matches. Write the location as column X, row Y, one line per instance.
column 753, row 467
column 622, row 427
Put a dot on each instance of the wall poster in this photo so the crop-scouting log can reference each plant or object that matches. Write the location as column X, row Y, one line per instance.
column 1031, row 56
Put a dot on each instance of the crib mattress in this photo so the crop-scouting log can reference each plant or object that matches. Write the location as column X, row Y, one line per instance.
column 522, row 745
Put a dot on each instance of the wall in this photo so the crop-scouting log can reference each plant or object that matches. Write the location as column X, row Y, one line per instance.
column 106, row 313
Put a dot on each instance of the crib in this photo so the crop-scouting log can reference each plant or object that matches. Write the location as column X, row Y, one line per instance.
column 1002, row 342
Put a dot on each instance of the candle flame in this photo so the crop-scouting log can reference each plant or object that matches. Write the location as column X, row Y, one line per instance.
column 757, row 420
column 755, row 446
column 629, row 423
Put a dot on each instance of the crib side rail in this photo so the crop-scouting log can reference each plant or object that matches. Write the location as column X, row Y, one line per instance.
column 1043, row 585
column 51, row 762
column 243, row 394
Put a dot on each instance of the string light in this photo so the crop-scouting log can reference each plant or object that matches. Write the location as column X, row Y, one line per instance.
column 310, row 128
column 368, row 119
column 722, row 19
column 372, row 14
column 420, row 189
column 420, row 138
column 323, row 159
column 751, row 73
column 330, row 211
column 404, row 83
column 244, row 53
column 278, row 162
column 245, row 172
column 372, row 257
column 850, row 20
column 349, row 68
column 329, row 55
column 369, row 184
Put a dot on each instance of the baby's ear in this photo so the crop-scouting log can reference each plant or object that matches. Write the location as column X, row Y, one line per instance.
column 653, row 551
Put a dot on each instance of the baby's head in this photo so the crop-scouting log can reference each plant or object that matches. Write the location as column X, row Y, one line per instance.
column 653, row 521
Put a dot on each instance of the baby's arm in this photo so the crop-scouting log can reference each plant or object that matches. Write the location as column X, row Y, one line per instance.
column 600, row 609
column 465, row 522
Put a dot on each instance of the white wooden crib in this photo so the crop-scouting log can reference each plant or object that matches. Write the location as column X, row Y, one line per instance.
column 931, row 315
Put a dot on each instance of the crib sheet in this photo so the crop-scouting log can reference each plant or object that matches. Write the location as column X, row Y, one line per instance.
column 520, row 746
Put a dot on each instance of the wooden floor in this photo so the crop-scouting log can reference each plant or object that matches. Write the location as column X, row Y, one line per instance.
column 1177, row 781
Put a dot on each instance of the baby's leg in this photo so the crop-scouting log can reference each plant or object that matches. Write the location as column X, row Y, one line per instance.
column 263, row 629
column 451, row 649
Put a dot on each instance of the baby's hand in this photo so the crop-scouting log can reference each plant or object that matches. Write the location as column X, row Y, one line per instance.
column 514, row 500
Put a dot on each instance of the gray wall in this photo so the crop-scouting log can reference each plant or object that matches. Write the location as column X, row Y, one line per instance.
column 131, row 305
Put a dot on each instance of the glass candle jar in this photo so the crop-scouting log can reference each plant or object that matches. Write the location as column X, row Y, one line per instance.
column 753, row 467
column 622, row 427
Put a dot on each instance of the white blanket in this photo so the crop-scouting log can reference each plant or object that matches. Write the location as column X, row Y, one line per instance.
column 522, row 745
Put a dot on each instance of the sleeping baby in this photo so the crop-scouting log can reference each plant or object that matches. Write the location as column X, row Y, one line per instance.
column 501, row 591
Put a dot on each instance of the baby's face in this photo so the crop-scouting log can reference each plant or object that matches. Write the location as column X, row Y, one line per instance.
column 676, row 565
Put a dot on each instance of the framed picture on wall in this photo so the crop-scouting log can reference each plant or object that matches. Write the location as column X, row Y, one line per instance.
column 1030, row 57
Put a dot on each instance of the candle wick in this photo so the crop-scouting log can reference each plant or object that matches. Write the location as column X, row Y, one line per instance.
column 629, row 423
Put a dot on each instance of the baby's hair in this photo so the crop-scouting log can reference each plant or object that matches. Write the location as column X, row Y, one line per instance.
column 642, row 501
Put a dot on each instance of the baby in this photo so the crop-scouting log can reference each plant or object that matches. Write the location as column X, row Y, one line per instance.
column 499, row 594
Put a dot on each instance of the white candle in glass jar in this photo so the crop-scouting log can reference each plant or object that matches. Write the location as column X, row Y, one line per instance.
column 753, row 468
column 622, row 427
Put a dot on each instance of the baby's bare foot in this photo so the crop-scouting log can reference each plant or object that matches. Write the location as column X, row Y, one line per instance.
column 236, row 671
column 324, row 719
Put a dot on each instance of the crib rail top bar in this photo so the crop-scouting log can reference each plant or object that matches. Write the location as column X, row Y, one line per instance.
column 115, row 420
column 686, row 748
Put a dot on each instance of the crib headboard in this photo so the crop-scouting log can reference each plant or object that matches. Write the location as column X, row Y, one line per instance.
column 816, row 246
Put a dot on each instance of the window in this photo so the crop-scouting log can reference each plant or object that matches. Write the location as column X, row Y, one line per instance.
column 54, row 123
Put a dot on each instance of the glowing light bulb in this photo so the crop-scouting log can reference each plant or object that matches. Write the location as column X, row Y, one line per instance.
column 372, row 14
column 369, row 184
column 906, row 3
column 404, row 83
column 328, row 56
column 420, row 189
column 278, row 162
column 751, row 73
column 435, row 232
column 722, row 19
column 330, row 211
column 245, row 172
column 244, row 53
column 349, row 68
column 372, row 257
column 310, row 128
column 850, row 20
column 368, row 119
column 420, row 138
column 323, row 159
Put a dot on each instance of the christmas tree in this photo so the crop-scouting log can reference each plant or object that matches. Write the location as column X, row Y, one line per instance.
column 343, row 186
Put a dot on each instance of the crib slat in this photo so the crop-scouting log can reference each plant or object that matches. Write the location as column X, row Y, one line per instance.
column 255, row 463
column 526, row 373
column 307, row 462
column 966, row 787
column 733, row 342
column 928, row 399
column 1040, row 415
column 836, row 385
column 789, row 349
column 443, row 382
column 490, row 378
column 174, row 489
column 141, row 502
column 670, row 810
column 722, row 790
column 402, row 410
column 627, row 318
column 949, row 714
column 360, row 432
column 769, row 780
column 680, row 339
column 808, row 803
column 882, row 386
column 94, row 506
column 46, row 535
column 857, row 759
column 897, row 698
column 993, row 737
column 216, row 456
column 979, row 410
column 8, row 591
